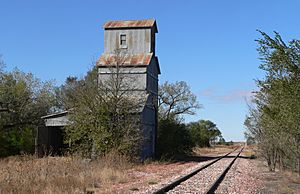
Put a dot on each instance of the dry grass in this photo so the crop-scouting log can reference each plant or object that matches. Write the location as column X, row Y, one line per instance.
column 27, row 174
column 290, row 182
column 279, row 181
column 292, row 176
column 109, row 174
column 249, row 153
column 216, row 150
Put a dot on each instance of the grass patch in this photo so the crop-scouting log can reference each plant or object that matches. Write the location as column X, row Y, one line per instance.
column 249, row 154
column 218, row 149
column 152, row 182
column 134, row 189
column 28, row 174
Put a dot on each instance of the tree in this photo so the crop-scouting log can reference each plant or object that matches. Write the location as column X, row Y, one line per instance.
column 173, row 139
column 221, row 140
column 204, row 132
column 23, row 100
column 176, row 99
column 66, row 93
column 2, row 65
column 104, row 114
column 273, row 120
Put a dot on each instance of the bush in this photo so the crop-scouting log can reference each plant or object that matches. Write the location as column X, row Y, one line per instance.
column 101, row 117
column 173, row 139
column 14, row 142
column 23, row 100
column 229, row 143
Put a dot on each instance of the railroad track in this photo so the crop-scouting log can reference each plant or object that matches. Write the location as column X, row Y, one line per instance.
column 204, row 179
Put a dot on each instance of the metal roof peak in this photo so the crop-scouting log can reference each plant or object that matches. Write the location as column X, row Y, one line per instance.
column 146, row 23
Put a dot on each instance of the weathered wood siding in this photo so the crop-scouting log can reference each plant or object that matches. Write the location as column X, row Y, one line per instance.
column 148, row 126
column 143, row 78
column 135, row 76
column 56, row 121
column 138, row 40
column 152, row 77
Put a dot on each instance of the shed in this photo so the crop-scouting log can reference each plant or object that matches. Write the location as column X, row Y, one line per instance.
column 50, row 135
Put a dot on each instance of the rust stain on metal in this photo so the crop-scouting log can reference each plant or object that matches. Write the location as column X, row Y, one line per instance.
column 147, row 59
column 129, row 60
column 130, row 23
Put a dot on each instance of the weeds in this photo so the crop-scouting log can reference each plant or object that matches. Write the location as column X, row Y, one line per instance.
column 218, row 149
column 28, row 174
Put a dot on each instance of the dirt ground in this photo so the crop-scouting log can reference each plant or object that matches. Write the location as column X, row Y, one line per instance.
column 278, row 182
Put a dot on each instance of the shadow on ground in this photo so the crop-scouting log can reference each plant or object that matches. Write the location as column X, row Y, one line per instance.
column 203, row 158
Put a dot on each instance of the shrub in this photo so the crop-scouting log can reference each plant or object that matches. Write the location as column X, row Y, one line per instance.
column 173, row 139
column 14, row 142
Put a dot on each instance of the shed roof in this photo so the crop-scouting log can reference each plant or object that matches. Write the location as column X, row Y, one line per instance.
column 143, row 59
column 54, row 115
column 149, row 23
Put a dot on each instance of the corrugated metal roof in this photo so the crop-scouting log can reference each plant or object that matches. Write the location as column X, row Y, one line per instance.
column 127, row 60
column 131, row 24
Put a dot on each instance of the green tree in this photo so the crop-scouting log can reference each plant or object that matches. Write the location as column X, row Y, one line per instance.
column 23, row 100
column 173, row 139
column 273, row 120
column 176, row 99
column 221, row 140
column 204, row 132
column 104, row 112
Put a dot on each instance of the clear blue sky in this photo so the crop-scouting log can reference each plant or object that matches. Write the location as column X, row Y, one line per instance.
column 209, row 44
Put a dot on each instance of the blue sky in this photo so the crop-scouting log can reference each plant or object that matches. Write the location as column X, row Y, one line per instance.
column 207, row 43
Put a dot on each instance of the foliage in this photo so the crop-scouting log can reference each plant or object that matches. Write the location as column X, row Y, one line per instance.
column 176, row 99
column 204, row 133
column 173, row 138
column 2, row 65
column 16, row 142
column 104, row 112
column 221, row 140
column 23, row 100
column 273, row 120
column 230, row 143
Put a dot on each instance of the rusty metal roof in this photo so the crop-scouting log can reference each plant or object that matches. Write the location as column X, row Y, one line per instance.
column 131, row 24
column 127, row 60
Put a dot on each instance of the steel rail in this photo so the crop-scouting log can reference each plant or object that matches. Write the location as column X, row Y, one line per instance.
column 183, row 178
column 216, row 184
